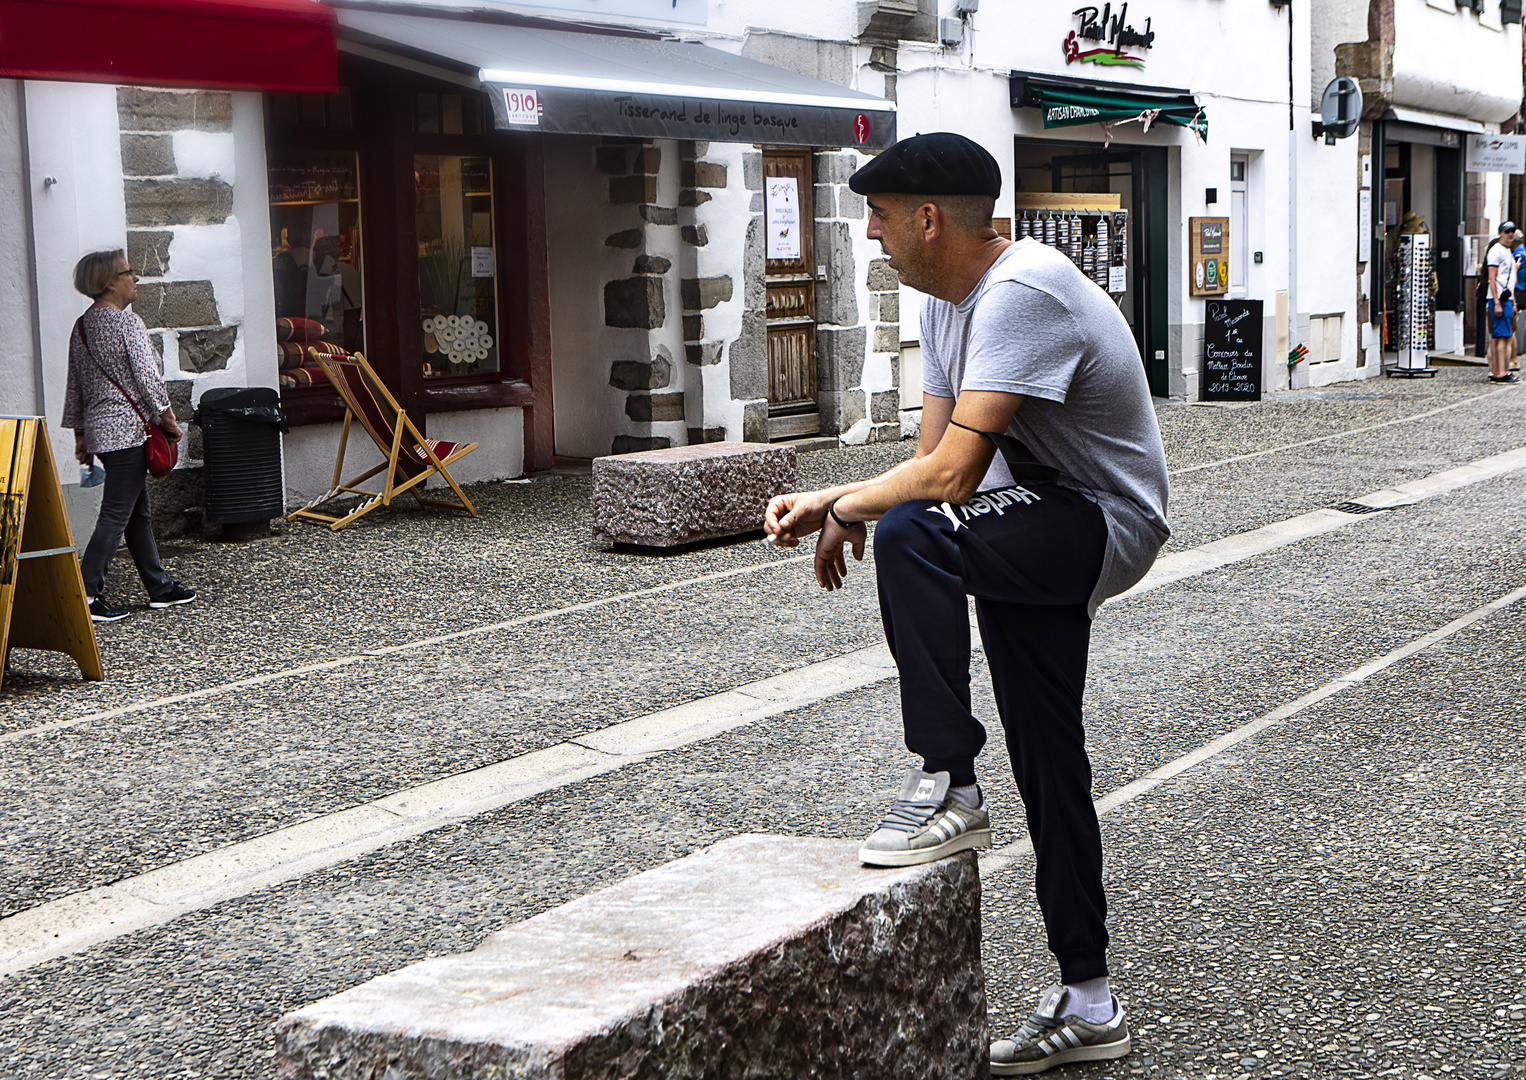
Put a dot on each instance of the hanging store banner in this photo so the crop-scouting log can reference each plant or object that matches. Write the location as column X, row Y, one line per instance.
column 1496, row 153
column 1065, row 105
column 600, row 112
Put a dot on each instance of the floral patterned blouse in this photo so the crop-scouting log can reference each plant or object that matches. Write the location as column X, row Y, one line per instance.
column 91, row 403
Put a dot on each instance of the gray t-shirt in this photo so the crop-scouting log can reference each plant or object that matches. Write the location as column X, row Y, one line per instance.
column 1036, row 326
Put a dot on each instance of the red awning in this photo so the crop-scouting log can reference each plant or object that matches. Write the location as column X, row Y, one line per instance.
column 221, row 44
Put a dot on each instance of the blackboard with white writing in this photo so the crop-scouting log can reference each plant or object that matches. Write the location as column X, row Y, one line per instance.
column 1232, row 351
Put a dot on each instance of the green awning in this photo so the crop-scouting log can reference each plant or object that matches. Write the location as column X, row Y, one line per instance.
column 1064, row 104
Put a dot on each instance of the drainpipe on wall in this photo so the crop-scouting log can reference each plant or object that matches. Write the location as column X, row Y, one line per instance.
column 1292, row 202
column 39, row 399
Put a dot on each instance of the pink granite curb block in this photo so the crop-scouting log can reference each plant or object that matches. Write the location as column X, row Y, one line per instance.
column 685, row 494
column 760, row 957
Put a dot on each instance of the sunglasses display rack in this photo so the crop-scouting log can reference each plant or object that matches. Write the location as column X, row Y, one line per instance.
column 1415, row 324
column 1095, row 238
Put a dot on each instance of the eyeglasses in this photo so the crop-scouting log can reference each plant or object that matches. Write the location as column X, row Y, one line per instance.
column 135, row 275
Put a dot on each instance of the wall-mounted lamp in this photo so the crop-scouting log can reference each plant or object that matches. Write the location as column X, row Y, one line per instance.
column 1211, row 196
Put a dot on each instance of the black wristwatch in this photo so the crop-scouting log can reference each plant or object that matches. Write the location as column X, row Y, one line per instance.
column 832, row 512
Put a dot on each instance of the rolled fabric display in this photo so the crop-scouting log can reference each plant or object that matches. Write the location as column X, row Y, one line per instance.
column 487, row 341
column 453, row 321
column 438, row 322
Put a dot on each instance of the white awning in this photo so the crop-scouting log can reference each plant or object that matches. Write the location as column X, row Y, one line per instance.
column 619, row 83
column 1436, row 120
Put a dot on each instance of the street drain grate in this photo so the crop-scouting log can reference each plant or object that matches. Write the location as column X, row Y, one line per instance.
column 1358, row 508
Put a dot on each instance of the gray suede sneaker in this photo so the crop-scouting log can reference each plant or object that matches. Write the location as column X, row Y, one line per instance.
column 925, row 825
column 1049, row 1038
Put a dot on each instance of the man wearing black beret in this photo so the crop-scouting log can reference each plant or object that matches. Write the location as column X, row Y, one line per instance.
column 1039, row 488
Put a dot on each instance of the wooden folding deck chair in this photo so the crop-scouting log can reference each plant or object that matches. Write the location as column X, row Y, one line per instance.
column 411, row 458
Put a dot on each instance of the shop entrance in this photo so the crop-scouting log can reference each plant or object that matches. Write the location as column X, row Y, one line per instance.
column 790, row 285
column 1138, row 177
column 1419, row 186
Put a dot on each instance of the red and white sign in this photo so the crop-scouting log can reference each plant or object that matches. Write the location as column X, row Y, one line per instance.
column 861, row 128
column 523, row 107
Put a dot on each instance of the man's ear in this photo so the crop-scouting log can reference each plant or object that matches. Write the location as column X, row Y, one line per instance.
column 930, row 221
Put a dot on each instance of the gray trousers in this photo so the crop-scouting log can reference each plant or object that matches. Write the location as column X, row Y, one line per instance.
column 124, row 512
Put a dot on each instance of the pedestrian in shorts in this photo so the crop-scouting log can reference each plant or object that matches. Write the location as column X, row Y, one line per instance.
column 1038, row 487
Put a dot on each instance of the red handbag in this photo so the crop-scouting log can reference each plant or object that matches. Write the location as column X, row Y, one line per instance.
column 159, row 452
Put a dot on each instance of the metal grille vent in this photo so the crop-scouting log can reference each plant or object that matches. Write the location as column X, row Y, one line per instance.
column 1358, row 508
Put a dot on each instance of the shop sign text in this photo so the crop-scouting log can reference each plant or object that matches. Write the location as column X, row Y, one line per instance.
column 1108, row 35
column 1496, row 153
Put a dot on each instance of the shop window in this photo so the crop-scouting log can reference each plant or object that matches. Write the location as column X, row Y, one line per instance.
column 315, row 259
column 458, row 263
column 310, row 112
column 1239, row 225
column 448, row 114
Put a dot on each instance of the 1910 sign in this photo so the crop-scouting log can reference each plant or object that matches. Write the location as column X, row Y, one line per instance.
column 1232, row 351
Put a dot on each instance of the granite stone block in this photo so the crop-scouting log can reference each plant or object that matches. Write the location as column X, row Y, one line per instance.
column 611, row 160
column 625, row 238
column 635, row 444
column 687, row 493
column 148, row 252
column 659, row 215
column 700, row 294
column 141, row 109
column 148, row 155
column 176, row 304
column 881, row 277
column 632, row 189
column 651, row 374
column 207, row 350
column 654, row 408
column 759, row 957
column 156, row 203
column 634, row 302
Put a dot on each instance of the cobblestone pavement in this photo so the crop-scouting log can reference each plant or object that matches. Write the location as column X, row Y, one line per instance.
column 1342, row 894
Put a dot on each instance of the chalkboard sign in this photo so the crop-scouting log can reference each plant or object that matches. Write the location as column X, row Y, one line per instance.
column 1232, row 351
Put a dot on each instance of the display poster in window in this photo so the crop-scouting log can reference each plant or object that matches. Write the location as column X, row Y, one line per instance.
column 782, row 216
column 1364, row 226
column 309, row 181
column 482, row 262
column 1232, row 351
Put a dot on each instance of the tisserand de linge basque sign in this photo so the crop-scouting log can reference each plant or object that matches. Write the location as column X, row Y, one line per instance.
column 1102, row 36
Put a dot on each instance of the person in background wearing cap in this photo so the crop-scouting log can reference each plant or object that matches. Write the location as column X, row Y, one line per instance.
column 1024, row 355
column 1500, row 305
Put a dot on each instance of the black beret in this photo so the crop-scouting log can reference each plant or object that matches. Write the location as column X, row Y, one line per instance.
column 940, row 163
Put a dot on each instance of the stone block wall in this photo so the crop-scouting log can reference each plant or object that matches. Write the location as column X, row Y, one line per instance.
column 183, row 238
column 643, row 327
column 858, row 335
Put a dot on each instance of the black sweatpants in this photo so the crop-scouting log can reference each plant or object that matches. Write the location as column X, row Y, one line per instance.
column 124, row 512
column 1030, row 557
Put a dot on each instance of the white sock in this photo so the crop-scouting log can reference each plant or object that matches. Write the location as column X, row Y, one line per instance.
column 1091, row 1000
column 968, row 796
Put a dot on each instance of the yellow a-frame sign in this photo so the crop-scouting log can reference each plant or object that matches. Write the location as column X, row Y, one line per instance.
column 42, row 596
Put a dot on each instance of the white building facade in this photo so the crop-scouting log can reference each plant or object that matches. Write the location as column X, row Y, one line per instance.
column 637, row 214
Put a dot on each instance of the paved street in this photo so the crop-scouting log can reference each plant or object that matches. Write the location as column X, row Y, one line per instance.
column 1340, row 891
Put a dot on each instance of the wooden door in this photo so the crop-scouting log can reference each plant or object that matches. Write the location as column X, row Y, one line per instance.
column 790, row 283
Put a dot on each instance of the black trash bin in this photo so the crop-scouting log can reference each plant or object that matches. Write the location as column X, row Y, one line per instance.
column 241, row 455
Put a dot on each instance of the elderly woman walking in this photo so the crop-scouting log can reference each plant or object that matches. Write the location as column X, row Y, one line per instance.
column 110, row 357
